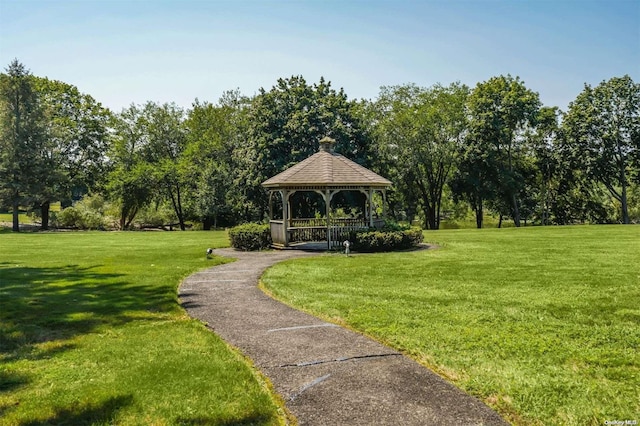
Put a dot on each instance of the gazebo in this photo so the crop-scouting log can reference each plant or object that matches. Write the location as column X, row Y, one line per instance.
column 326, row 173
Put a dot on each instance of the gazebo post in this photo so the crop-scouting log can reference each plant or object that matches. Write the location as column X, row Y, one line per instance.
column 370, row 208
column 327, row 200
column 285, row 216
column 384, row 204
column 270, row 206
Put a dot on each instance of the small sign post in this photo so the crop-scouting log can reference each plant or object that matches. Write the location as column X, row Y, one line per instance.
column 347, row 246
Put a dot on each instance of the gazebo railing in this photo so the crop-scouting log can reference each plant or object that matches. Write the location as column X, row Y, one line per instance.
column 277, row 231
column 315, row 229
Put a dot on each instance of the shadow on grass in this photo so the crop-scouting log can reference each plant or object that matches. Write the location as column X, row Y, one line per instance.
column 10, row 380
column 256, row 419
column 87, row 414
column 40, row 305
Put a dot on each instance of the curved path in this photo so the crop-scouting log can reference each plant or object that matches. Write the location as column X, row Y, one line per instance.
column 326, row 374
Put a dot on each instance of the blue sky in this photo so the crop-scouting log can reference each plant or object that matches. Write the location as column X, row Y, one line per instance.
column 124, row 52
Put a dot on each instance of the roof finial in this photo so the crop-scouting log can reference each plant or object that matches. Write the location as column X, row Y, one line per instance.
column 326, row 144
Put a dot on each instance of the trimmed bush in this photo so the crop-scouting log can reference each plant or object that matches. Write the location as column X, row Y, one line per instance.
column 386, row 239
column 250, row 237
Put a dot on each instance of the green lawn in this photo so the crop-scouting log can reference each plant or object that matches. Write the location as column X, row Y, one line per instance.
column 91, row 333
column 8, row 218
column 543, row 324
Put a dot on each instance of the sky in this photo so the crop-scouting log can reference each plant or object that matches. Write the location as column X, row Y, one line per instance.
column 130, row 52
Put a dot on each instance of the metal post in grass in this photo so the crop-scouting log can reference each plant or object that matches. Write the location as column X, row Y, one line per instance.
column 347, row 247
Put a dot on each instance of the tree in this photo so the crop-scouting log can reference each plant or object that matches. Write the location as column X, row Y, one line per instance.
column 502, row 110
column 547, row 163
column 215, row 133
column 285, row 126
column 422, row 130
column 603, row 126
column 75, row 146
column 474, row 180
column 130, row 182
column 166, row 137
column 21, row 138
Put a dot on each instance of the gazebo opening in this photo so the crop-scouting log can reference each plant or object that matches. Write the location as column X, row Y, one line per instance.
column 323, row 198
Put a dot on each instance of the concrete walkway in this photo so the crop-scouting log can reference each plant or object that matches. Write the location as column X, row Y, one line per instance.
column 326, row 374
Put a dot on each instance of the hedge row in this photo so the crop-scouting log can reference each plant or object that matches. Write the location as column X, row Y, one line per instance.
column 250, row 237
column 386, row 239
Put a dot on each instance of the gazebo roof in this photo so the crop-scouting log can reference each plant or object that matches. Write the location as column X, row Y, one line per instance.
column 327, row 169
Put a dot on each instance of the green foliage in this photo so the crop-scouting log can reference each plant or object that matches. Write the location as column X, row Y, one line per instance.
column 89, row 213
column 494, row 167
column 494, row 147
column 155, row 216
column 419, row 133
column 130, row 182
column 286, row 124
column 23, row 169
column 602, row 130
column 167, row 140
column 215, row 136
column 542, row 323
column 250, row 236
column 390, row 238
column 77, row 141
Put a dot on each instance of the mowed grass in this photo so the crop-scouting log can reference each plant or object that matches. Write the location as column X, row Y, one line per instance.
column 8, row 218
column 91, row 332
column 543, row 324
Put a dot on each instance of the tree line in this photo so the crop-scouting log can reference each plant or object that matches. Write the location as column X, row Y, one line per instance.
column 449, row 150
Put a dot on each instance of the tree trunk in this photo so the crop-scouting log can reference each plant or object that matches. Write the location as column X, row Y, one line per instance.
column 500, row 222
column 44, row 208
column 516, row 210
column 124, row 213
column 177, row 206
column 625, row 208
column 479, row 213
column 16, row 206
column 431, row 218
column 206, row 223
column 514, row 199
column 623, row 183
column 181, row 213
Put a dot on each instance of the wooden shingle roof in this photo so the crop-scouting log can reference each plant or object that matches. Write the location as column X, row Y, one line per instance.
column 326, row 169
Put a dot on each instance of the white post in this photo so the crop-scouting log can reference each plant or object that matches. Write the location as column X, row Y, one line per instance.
column 327, row 199
column 285, row 216
column 370, row 208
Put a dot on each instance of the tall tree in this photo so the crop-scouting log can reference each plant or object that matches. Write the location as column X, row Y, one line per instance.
column 166, row 137
column 214, row 134
column 603, row 125
column 21, row 138
column 502, row 110
column 285, row 126
column 475, row 177
column 423, row 129
column 75, row 146
column 545, row 153
column 130, row 182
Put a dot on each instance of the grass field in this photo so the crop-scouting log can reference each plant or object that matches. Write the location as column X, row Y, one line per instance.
column 8, row 218
column 543, row 324
column 91, row 333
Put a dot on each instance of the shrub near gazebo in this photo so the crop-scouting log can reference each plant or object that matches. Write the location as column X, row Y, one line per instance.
column 327, row 174
column 389, row 238
column 250, row 237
